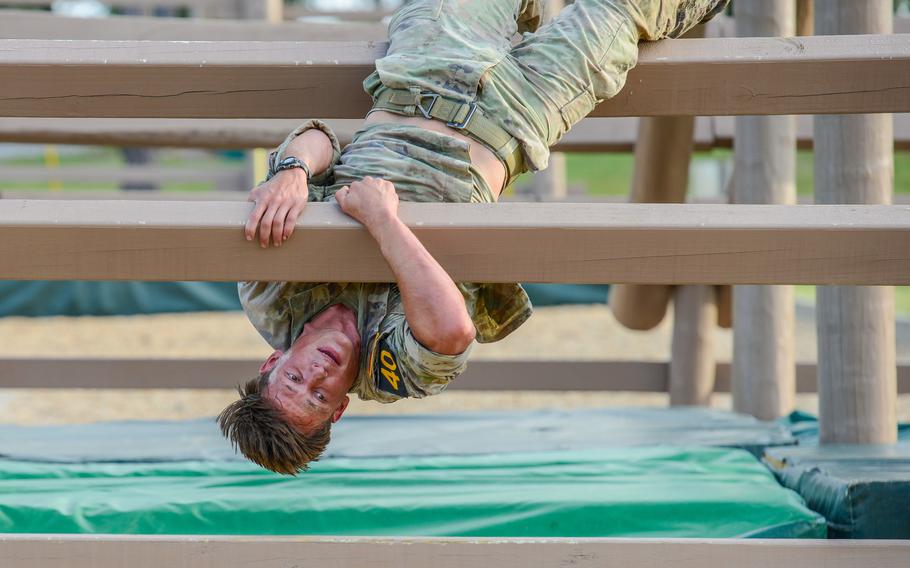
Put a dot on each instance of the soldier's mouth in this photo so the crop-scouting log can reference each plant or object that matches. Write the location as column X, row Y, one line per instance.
column 334, row 357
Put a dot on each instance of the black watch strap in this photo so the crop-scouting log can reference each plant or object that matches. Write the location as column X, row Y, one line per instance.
column 288, row 163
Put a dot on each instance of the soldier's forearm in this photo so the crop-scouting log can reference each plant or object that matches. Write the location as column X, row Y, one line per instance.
column 433, row 304
column 313, row 148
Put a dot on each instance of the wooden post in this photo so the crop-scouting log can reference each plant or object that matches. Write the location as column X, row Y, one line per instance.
column 764, row 370
column 667, row 141
column 271, row 11
column 854, row 164
column 692, row 360
column 805, row 10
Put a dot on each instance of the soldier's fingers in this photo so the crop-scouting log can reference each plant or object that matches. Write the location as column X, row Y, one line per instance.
column 253, row 221
column 265, row 225
column 278, row 223
column 291, row 221
column 341, row 195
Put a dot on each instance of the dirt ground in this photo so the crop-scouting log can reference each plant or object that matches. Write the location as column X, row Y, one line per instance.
column 581, row 332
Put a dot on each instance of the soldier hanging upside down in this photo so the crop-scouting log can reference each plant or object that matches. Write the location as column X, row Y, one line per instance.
column 459, row 112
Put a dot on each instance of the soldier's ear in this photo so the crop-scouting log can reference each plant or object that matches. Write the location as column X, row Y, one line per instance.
column 270, row 363
column 336, row 416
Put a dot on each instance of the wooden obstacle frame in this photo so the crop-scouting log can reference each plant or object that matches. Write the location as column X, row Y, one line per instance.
column 672, row 244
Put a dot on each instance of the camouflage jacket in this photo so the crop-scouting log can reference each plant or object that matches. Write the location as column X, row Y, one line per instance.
column 393, row 364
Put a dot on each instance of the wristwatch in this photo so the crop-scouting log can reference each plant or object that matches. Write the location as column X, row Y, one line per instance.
column 290, row 163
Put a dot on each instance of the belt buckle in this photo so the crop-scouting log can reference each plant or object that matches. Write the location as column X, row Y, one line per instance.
column 467, row 119
column 426, row 111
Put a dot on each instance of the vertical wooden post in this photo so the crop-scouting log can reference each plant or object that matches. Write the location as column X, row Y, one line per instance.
column 271, row 11
column 805, row 10
column 662, row 155
column 764, row 370
column 549, row 184
column 663, row 151
column 854, row 164
column 692, row 361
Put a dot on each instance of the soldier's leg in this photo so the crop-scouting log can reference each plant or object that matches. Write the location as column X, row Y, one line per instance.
column 475, row 23
column 583, row 55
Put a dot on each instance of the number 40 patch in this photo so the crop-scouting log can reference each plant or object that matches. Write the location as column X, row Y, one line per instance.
column 387, row 374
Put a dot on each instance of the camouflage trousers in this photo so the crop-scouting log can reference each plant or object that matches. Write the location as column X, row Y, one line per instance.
column 539, row 87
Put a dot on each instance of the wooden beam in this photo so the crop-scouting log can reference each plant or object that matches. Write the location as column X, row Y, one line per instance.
column 108, row 551
column 216, row 195
column 17, row 24
column 62, row 78
column 123, row 3
column 481, row 375
column 296, row 11
column 535, row 242
column 224, row 177
column 124, row 195
column 590, row 135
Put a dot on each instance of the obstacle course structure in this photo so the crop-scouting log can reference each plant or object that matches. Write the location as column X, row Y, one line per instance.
column 836, row 244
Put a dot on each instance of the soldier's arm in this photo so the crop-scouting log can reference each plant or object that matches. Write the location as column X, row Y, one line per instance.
column 433, row 304
column 281, row 199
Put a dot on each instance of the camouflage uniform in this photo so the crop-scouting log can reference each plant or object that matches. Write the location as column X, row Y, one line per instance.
column 537, row 89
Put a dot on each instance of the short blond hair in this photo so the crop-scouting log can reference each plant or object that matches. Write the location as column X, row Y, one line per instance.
column 256, row 428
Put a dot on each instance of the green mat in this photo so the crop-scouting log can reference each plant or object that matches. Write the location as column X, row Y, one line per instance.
column 640, row 492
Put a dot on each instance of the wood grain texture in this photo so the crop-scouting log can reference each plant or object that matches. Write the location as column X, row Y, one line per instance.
column 224, row 177
column 856, row 343
column 664, row 140
column 590, row 135
column 764, row 382
column 520, row 375
column 618, row 134
column 534, row 242
column 21, row 24
column 692, row 362
column 108, row 551
column 273, row 79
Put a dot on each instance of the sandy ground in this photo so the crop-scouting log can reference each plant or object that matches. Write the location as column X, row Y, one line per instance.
column 582, row 332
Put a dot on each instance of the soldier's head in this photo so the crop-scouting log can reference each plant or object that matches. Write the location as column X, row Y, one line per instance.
column 284, row 416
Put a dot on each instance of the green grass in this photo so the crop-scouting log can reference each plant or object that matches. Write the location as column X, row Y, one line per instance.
column 611, row 174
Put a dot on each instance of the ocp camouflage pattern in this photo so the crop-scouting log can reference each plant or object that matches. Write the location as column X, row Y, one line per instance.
column 537, row 84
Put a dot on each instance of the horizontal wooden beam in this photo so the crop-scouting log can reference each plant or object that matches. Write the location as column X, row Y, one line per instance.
column 590, row 135
column 109, row 551
column 529, row 242
column 481, row 375
column 123, row 3
column 126, row 195
column 222, row 176
column 295, row 11
column 28, row 24
column 227, row 195
column 728, row 76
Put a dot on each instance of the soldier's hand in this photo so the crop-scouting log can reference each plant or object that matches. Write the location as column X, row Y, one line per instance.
column 371, row 201
column 279, row 203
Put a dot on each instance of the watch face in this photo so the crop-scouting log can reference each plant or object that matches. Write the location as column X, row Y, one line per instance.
column 288, row 162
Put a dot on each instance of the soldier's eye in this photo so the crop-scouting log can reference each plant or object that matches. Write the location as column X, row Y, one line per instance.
column 293, row 377
column 320, row 397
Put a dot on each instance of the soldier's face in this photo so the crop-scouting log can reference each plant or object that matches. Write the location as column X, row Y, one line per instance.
column 309, row 383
